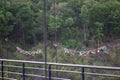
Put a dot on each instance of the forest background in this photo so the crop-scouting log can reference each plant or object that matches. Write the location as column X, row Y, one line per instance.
column 73, row 24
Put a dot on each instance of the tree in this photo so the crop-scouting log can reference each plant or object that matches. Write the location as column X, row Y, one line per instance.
column 99, row 32
column 6, row 18
column 108, row 14
column 84, row 15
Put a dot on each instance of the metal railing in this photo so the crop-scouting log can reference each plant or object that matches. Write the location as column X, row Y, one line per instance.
column 49, row 70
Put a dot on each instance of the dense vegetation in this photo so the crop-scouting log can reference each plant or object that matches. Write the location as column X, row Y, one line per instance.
column 22, row 21
column 77, row 24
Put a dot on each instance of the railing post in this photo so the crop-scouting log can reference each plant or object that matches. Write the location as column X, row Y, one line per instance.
column 49, row 66
column 23, row 71
column 83, row 75
column 2, row 69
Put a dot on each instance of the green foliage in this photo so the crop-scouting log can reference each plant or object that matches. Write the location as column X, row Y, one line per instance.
column 55, row 24
column 21, row 21
column 69, row 22
column 71, row 43
column 106, row 13
column 99, row 30
column 84, row 15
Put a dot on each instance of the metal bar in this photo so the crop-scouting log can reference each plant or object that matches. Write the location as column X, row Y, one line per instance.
column 35, row 68
column 49, row 72
column 40, row 76
column 104, row 75
column 55, row 34
column 61, row 64
column 8, row 78
column 2, row 69
column 53, row 78
column 87, row 73
column 83, row 75
column 66, row 71
column 45, row 38
column 5, row 8
column 12, row 66
column 76, row 72
column 55, row 22
column 23, row 71
column 13, row 73
column 55, row 29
